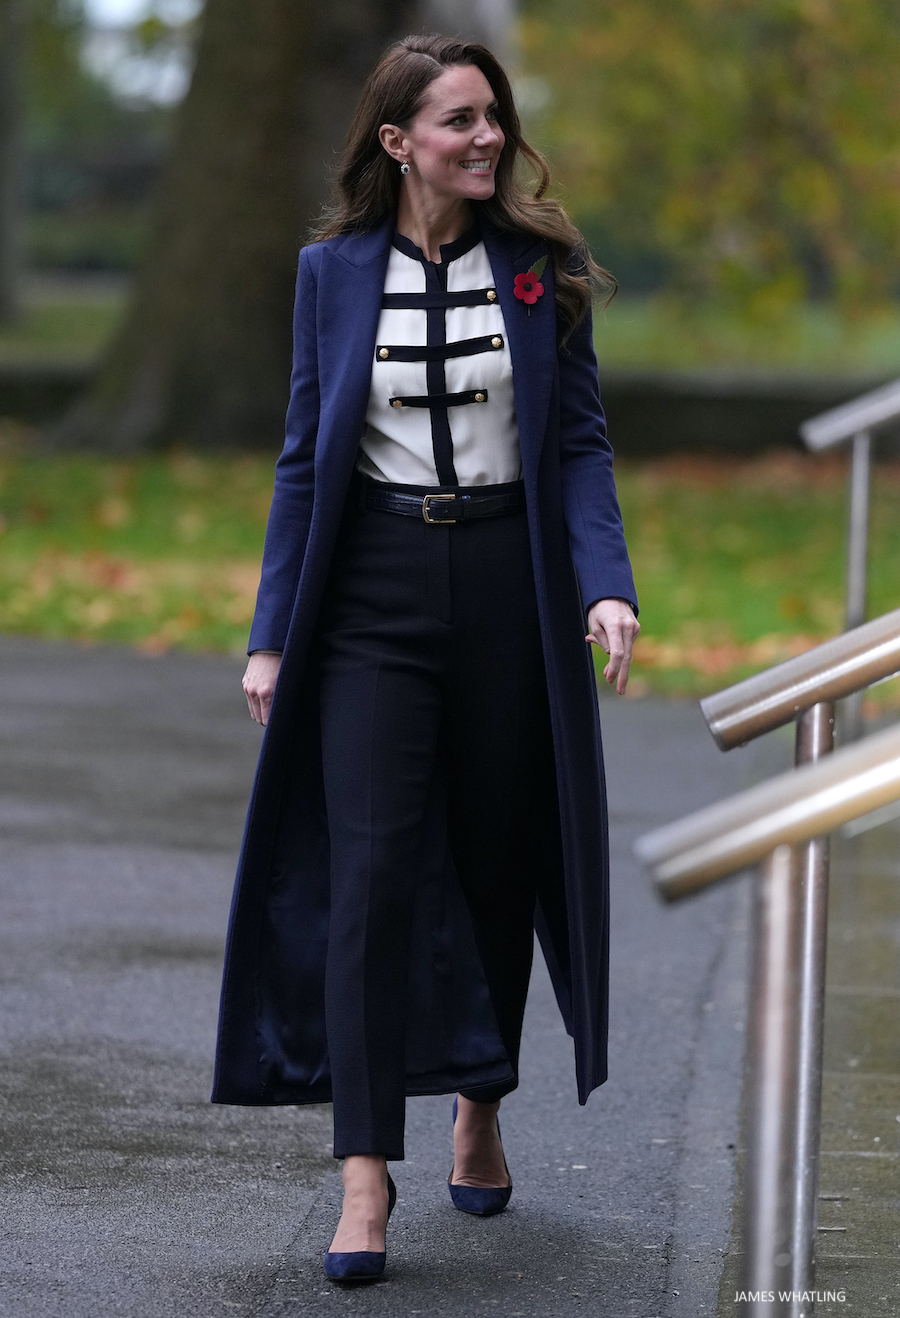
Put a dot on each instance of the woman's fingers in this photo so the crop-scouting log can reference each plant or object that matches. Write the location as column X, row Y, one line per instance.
column 614, row 627
column 259, row 684
column 265, row 704
column 619, row 664
column 615, row 648
column 252, row 701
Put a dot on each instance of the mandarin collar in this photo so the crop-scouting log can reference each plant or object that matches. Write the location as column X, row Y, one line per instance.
column 449, row 251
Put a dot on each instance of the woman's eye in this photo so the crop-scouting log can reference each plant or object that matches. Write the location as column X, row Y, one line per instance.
column 464, row 118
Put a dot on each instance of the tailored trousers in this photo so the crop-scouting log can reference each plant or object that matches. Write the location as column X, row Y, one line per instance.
column 430, row 663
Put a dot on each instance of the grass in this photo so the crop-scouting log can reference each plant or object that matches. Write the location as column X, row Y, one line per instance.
column 738, row 563
column 160, row 552
column 63, row 317
column 73, row 317
column 648, row 333
column 111, row 239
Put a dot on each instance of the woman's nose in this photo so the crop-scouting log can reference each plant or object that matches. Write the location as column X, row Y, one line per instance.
column 487, row 134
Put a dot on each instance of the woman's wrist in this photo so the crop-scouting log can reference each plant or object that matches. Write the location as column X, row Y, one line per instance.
column 631, row 604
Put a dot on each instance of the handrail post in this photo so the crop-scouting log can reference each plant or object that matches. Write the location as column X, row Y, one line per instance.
column 857, row 554
column 815, row 738
column 785, row 1060
column 858, row 530
column 773, row 1054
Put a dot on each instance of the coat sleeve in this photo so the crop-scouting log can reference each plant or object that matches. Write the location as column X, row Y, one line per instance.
column 590, row 503
column 292, row 501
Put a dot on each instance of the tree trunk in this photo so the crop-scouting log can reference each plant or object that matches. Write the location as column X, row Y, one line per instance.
column 11, row 119
column 203, row 357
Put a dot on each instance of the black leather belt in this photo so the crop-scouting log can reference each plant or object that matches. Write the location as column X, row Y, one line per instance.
column 443, row 507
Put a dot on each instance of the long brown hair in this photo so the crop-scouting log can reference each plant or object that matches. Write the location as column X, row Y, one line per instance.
column 368, row 182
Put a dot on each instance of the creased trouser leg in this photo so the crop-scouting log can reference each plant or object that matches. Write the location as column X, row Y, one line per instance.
column 431, row 664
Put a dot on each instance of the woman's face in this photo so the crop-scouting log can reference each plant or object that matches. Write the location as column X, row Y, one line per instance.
column 454, row 142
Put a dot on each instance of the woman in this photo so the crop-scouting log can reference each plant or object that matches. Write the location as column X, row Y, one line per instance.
column 430, row 787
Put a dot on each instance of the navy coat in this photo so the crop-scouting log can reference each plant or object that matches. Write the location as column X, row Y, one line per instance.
column 272, row 1046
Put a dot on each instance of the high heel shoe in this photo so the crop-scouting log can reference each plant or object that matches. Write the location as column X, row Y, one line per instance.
column 474, row 1199
column 360, row 1264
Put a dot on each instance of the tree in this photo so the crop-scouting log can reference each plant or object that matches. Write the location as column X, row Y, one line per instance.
column 11, row 125
column 90, row 151
column 203, row 356
column 753, row 143
column 51, row 107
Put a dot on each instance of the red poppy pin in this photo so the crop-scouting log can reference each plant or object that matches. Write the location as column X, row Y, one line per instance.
column 528, row 287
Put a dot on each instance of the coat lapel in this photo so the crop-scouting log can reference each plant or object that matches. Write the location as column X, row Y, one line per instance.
column 351, row 283
column 531, row 338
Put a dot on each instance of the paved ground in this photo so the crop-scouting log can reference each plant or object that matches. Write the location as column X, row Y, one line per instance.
column 859, row 1212
column 858, row 1250
column 123, row 781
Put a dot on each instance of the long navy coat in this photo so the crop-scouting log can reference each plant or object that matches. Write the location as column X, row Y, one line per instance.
column 272, row 1045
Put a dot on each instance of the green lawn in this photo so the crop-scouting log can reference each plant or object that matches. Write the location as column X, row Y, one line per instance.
column 158, row 552
column 738, row 563
column 646, row 333
column 73, row 318
column 63, row 318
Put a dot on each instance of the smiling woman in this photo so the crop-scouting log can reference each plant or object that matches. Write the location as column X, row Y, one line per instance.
column 444, row 529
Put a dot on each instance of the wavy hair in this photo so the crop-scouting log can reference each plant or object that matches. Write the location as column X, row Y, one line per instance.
column 368, row 181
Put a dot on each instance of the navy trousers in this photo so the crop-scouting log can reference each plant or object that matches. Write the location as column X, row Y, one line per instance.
column 430, row 663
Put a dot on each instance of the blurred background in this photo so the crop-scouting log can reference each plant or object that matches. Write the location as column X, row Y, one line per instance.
column 735, row 163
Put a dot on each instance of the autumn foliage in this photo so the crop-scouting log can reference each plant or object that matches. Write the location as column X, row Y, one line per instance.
column 752, row 144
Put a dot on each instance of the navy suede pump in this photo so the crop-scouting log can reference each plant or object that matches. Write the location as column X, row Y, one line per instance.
column 360, row 1264
column 474, row 1199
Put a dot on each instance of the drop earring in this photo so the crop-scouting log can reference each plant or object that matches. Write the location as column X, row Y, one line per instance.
column 404, row 168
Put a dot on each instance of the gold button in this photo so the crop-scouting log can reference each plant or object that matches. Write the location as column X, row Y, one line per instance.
column 491, row 295
column 382, row 353
column 395, row 402
column 479, row 398
column 496, row 341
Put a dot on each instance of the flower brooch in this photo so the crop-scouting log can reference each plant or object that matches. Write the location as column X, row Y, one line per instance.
column 528, row 287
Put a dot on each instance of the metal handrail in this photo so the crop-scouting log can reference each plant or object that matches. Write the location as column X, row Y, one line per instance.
column 786, row 821
column 793, row 807
column 843, row 665
column 880, row 407
column 855, row 421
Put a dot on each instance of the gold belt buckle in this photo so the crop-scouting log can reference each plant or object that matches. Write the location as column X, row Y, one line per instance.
column 437, row 521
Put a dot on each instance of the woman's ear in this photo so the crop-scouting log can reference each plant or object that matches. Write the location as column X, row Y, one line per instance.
column 392, row 140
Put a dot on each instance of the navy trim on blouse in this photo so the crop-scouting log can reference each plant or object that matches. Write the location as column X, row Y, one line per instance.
column 434, row 302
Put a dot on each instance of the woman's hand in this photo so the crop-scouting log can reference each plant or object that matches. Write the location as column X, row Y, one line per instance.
column 613, row 626
column 259, row 683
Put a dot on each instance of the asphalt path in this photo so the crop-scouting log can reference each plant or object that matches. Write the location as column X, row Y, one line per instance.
column 123, row 783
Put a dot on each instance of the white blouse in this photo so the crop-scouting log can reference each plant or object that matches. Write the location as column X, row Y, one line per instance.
column 441, row 408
